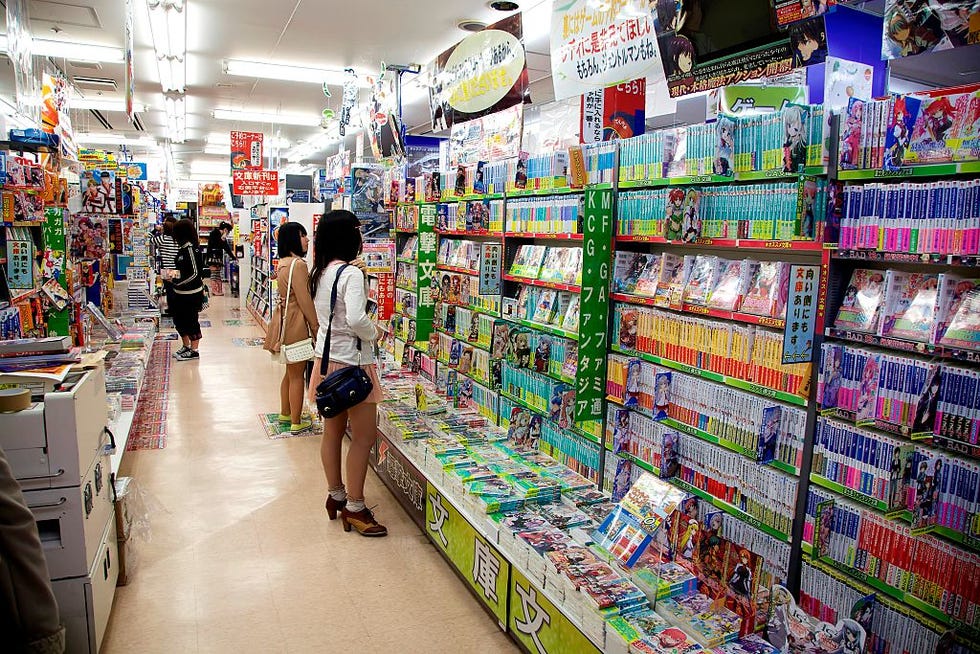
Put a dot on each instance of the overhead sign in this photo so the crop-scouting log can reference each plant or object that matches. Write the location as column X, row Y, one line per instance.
column 133, row 170
column 246, row 150
column 255, row 182
column 482, row 74
column 594, row 47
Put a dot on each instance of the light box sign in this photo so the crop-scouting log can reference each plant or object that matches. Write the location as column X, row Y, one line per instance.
column 255, row 182
column 246, row 151
column 482, row 74
column 598, row 47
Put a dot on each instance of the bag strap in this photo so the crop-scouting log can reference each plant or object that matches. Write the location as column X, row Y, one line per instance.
column 285, row 309
column 325, row 359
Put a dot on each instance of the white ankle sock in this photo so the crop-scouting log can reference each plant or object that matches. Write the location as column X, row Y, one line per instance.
column 353, row 506
column 338, row 494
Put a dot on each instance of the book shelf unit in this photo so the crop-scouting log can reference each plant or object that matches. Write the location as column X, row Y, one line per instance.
column 259, row 297
column 415, row 254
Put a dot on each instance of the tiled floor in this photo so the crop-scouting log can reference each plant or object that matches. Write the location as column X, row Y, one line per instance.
column 241, row 557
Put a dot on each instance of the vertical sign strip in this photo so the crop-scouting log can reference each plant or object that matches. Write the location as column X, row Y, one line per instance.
column 426, row 269
column 594, row 305
column 801, row 314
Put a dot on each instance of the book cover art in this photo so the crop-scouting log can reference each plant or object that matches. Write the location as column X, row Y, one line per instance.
column 500, row 339
column 569, row 366
column 912, row 302
column 535, row 259
column 670, row 455
column 965, row 138
column 519, row 348
column 573, row 267
column 520, row 260
column 963, row 329
column 769, row 434
column 634, row 379
column 479, row 183
column 520, row 177
column 678, row 281
column 932, row 127
column 701, row 281
column 547, row 305
column 930, row 474
column 795, row 119
column 646, row 285
column 851, row 136
column 542, row 354
column 763, row 291
column 669, row 265
column 554, row 264
column 733, row 281
column 569, row 321
column 622, row 435
column 628, row 270
column 519, row 428
column 861, row 307
column 901, row 122
column 566, row 419
column 674, row 218
column 724, row 162
column 867, row 392
column 629, row 321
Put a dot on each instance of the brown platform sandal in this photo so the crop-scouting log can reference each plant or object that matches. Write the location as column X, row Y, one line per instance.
column 363, row 521
column 333, row 506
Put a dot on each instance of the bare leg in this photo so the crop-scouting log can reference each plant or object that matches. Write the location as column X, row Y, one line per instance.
column 296, row 386
column 186, row 341
column 364, row 429
column 284, row 394
column 195, row 344
column 330, row 449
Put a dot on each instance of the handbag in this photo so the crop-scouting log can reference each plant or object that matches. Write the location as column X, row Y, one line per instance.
column 300, row 350
column 343, row 388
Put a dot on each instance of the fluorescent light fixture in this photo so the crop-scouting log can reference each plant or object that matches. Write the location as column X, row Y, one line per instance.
column 116, row 139
column 209, row 167
column 289, row 72
column 318, row 143
column 306, row 120
column 176, row 108
column 224, row 138
column 168, row 26
column 73, row 51
column 103, row 105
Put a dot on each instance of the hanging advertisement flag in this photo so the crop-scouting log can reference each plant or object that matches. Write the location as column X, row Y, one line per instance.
column 55, row 117
column 383, row 120
column 482, row 74
column 255, row 182
column 615, row 112
column 246, row 150
column 490, row 138
column 791, row 11
column 20, row 51
column 130, row 74
column 911, row 28
column 594, row 48
column 134, row 171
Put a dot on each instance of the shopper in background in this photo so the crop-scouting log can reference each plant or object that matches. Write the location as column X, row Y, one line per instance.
column 29, row 619
column 299, row 320
column 188, row 290
column 164, row 253
column 217, row 246
column 353, row 340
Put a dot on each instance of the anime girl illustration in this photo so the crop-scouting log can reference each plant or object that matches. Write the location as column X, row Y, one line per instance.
column 542, row 354
column 909, row 31
column 851, row 139
column 661, row 396
column 687, row 540
column 834, row 374
column 794, row 132
column 674, row 225
column 868, row 391
column 725, row 152
column 681, row 57
column 669, row 460
column 498, row 348
column 692, row 219
column 740, row 580
column 474, row 334
column 808, row 223
column 938, row 119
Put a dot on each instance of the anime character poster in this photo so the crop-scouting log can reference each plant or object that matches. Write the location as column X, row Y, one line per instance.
column 912, row 27
column 98, row 191
column 790, row 629
column 89, row 237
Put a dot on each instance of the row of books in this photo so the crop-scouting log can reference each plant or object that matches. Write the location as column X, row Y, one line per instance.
column 406, row 302
column 553, row 215
column 463, row 290
column 600, row 162
column 746, row 352
column 405, row 275
column 467, row 394
column 465, row 324
column 941, row 491
column 919, row 217
column 526, row 348
column 464, row 357
column 544, row 306
column 888, row 630
column 409, row 248
column 789, row 140
column 459, row 253
column 554, row 399
column 936, row 127
column 569, row 449
column 560, row 264
column 773, row 210
column 936, row 308
column 755, row 287
column 472, row 216
column 766, row 430
column 918, row 566
column 407, row 217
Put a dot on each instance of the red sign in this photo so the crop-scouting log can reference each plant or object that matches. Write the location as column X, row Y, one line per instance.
column 615, row 112
column 255, row 182
column 246, row 150
column 386, row 296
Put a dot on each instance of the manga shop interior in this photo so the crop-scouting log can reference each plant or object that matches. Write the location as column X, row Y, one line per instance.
column 544, row 326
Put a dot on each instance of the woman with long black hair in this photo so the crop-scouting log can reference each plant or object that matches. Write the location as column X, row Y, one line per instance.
column 188, row 290
column 336, row 244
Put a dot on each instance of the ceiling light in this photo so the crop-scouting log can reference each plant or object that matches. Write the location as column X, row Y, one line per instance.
column 95, row 138
column 176, row 108
column 103, row 105
column 306, row 120
column 289, row 72
column 471, row 25
column 73, row 51
column 168, row 26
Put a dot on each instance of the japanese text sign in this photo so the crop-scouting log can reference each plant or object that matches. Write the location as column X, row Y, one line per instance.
column 594, row 305
column 255, row 182
column 490, row 261
column 539, row 625
column 801, row 314
column 246, row 151
column 598, row 46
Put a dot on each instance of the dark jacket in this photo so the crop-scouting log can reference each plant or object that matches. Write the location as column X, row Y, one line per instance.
column 188, row 264
column 217, row 244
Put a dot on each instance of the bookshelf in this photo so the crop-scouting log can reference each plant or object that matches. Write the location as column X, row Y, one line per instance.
column 415, row 253
column 259, row 297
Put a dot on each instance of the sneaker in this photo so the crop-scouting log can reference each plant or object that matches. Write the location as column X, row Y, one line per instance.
column 302, row 426
column 182, row 350
column 187, row 355
column 285, row 419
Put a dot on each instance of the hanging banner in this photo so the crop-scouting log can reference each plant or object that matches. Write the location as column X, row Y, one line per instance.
column 615, row 112
column 384, row 126
column 255, row 182
column 595, row 48
column 133, row 171
column 911, row 28
column 482, row 74
column 490, row 138
column 20, row 51
column 130, row 74
column 791, row 11
column 246, row 150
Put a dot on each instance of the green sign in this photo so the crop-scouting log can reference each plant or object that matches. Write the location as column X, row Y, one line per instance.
column 55, row 261
column 426, row 271
column 746, row 100
column 539, row 625
column 473, row 557
column 590, row 386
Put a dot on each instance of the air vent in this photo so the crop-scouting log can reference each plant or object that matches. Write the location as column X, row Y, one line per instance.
column 138, row 123
column 470, row 25
column 85, row 65
column 96, row 83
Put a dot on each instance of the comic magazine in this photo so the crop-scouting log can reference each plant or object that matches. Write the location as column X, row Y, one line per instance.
column 861, row 307
column 932, row 127
column 963, row 329
column 911, row 306
column 701, row 282
column 904, row 112
column 733, row 281
column 762, row 296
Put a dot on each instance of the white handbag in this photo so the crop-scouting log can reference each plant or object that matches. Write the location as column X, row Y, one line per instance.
column 300, row 350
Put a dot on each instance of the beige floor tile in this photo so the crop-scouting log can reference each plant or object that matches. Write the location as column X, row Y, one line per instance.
column 242, row 557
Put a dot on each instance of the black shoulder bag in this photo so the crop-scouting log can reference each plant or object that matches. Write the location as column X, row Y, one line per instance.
column 346, row 387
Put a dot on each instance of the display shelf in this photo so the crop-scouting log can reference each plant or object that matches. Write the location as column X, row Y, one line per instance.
column 260, row 320
column 911, row 172
column 740, row 384
column 558, row 286
column 558, row 190
column 457, row 269
column 545, row 235
column 732, row 510
column 474, row 197
column 479, row 346
column 547, row 329
column 906, row 257
column 698, row 310
column 476, row 309
column 728, row 243
column 406, row 260
column 406, row 288
column 485, row 383
column 955, row 446
column 400, row 230
column 747, row 176
column 883, row 426
column 954, row 354
column 482, row 233
column 544, row 414
column 849, row 493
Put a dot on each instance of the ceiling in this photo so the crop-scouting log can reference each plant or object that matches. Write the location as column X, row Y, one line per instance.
column 321, row 33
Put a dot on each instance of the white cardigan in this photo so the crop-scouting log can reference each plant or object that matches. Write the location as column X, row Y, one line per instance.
column 350, row 320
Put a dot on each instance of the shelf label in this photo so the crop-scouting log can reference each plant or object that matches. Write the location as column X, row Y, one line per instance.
column 538, row 624
column 590, row 384
column 401, row 477
column 426, row 271
column 801, row 314
column 479, row 562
